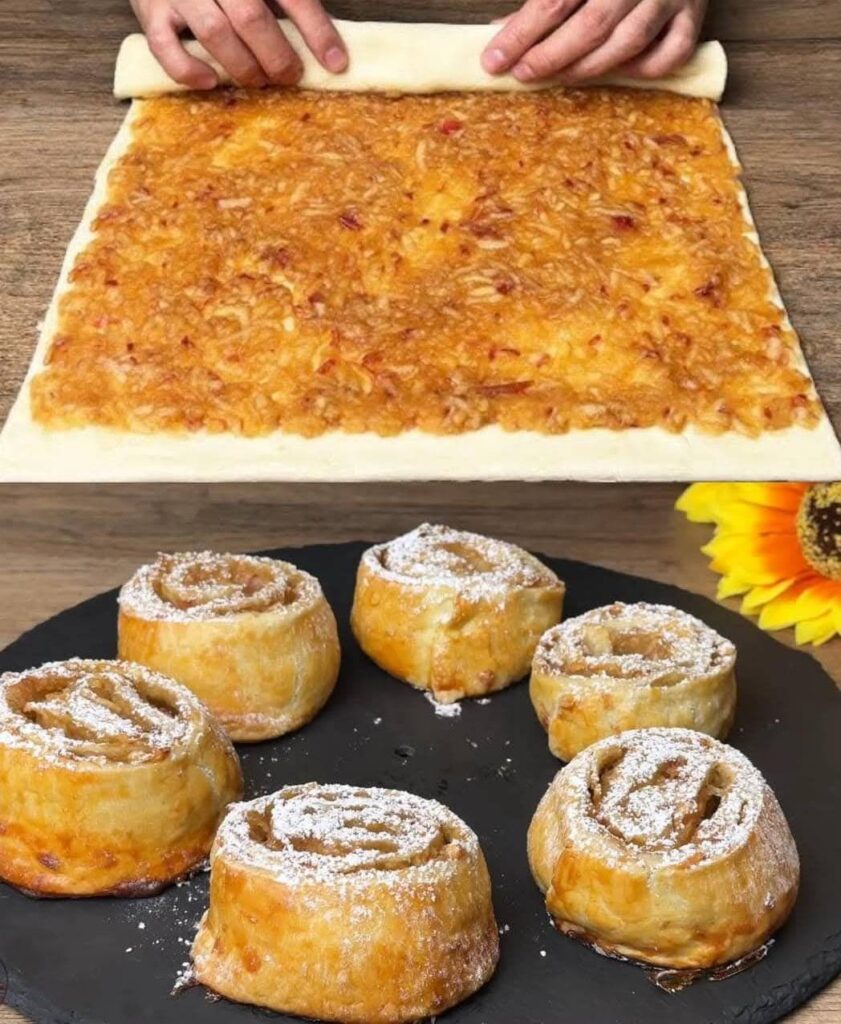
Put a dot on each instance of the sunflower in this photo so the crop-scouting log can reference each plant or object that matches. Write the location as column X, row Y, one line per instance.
column 778, row 546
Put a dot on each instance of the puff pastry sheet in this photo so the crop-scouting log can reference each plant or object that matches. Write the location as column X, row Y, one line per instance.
column 28, row 452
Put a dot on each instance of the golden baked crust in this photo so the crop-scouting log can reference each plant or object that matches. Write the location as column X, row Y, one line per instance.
column 453, row 612
column 113, row 779
column 342, row 904
column 317, row 261
column 253, row 637
column 631, row 666
column 664, row 846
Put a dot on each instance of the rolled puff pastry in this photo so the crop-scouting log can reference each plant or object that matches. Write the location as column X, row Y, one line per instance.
column 629, row 666
column 664, row 846
column 384, row 58
column 343, row 904
column 113, row 779
column 253, row 637
column 453, row 612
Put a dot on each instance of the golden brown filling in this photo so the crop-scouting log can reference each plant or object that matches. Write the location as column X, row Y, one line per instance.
column 665, row 797
column 221, row 583
column 441, row 555
column 295, row 261
column 604, row 639
column 348, row 830
column 652, row 645
column 98, row 709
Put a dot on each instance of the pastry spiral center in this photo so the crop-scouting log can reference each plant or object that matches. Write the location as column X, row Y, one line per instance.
column 347, row 830
column 665, row 795
column 221, row 583
column 646, row 643
column 439, row 554
column 97, row 710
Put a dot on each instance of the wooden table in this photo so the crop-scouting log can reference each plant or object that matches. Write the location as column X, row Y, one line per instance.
column 62, row 544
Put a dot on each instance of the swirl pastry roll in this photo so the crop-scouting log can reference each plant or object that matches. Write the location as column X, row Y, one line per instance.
column 664, row 846
column 253, row 637
column 629, row 666
column 113, row 779
column 453, row 612
column 343, row 904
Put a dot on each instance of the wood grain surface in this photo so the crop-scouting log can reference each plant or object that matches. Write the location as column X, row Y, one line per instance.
column 61, row 545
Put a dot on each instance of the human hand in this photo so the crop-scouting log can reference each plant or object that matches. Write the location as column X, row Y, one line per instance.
column 243, row 35
column 574, row 41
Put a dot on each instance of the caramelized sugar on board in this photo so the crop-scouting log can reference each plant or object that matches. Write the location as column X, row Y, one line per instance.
column 305, row 262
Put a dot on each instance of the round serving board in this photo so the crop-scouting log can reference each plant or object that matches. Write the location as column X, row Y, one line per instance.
column 112, row 961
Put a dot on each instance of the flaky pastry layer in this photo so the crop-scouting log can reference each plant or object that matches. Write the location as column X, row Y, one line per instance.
column 253, row 637
column 629, row 666
column 365, row 906
column 664, row 846
column 453, row 612
column 113, row 779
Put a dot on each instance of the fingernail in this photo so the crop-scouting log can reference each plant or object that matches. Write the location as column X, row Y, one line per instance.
column 335, row 59
column 523, row 73
column 493, row 61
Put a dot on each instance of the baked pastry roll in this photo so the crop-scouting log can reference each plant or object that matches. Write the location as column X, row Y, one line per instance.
column 629, row 666
column 113, row 779
column 253, row 637
column 343, row 904
column 453, row 612
column 664, row 846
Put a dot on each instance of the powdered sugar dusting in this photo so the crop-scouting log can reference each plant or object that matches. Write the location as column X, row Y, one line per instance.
column 82, row 711
column 673, row 793
column 452, row 710
column 201, row 585
column 343, row 834
column 643, row 643
column 433, row 555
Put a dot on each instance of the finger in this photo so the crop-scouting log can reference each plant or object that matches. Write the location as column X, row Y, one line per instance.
column 629, row 39
column 669, row 52
column 588, row 28
column 259, row 31
column 211, row 27
column 522, row 30
column 181, row 66
column 319, row 33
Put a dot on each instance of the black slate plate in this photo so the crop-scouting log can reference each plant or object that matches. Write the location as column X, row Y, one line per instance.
column 114, row 961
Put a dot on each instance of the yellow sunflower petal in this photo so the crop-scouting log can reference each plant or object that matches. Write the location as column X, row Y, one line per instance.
column 730, row 586
column 780, row 612
column 816, row 631
column 743, row 517
column 783, row 496
column 699, row 501
column 759, row 596
column 822, row 596
column 757, row 560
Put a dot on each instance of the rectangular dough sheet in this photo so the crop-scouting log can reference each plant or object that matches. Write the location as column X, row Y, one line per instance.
column 28, row 452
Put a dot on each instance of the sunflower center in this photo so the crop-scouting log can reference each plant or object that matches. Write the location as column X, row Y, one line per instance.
column 819, row 529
